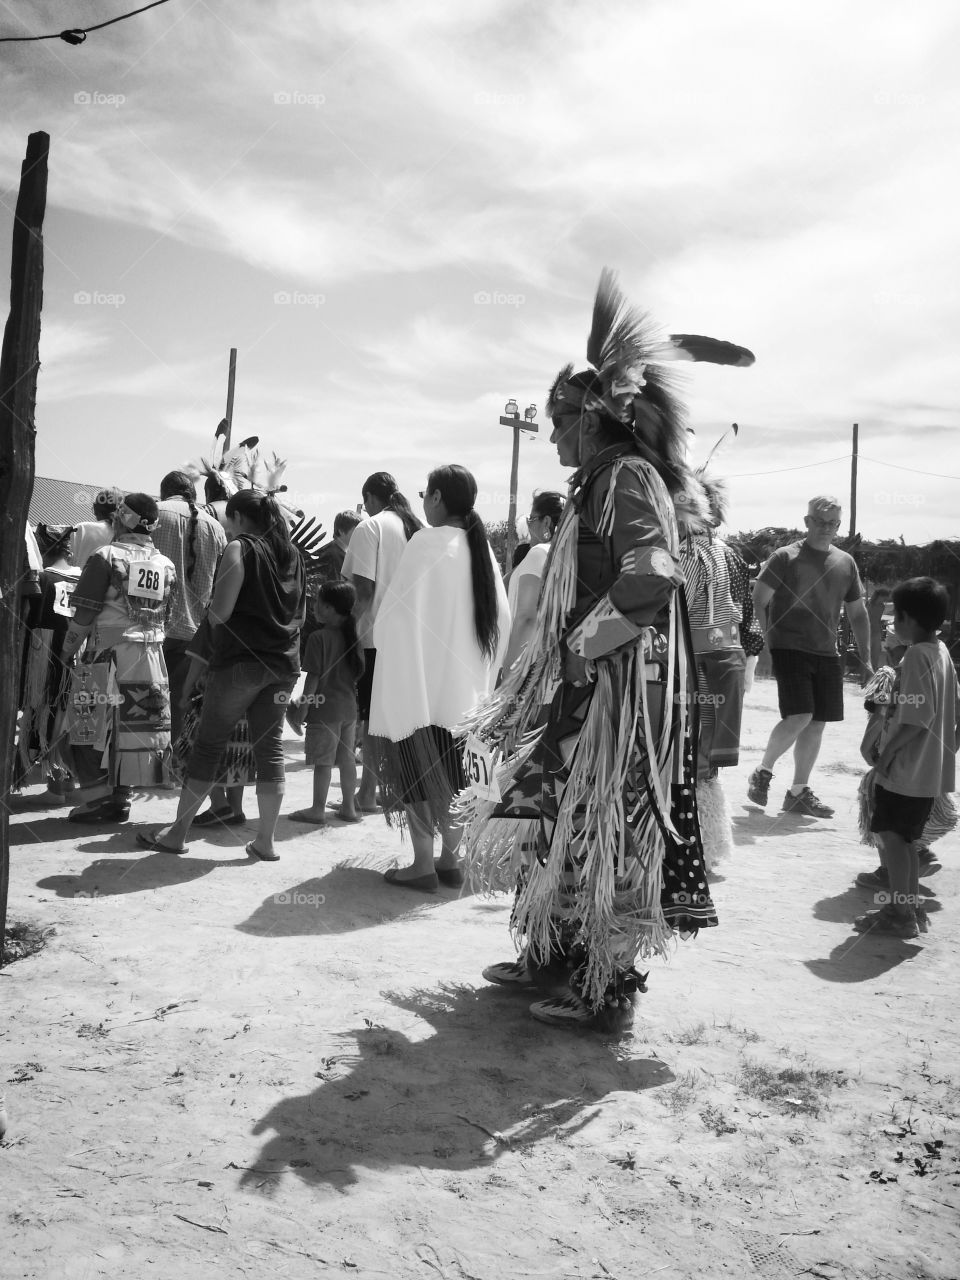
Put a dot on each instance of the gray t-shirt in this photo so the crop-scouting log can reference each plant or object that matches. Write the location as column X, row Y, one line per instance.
column 809, row 589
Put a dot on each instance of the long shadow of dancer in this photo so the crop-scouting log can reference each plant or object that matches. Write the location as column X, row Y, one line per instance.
column 488, row 1080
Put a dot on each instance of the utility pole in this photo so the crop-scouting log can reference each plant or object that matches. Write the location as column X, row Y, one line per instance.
column 511, row 418
column 853, row 481
column 231, row 384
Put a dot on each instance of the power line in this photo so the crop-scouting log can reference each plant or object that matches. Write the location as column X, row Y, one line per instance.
column 737, row 475
column 896, row 466
column 77, row 35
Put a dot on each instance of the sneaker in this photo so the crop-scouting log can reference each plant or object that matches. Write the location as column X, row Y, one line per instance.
column 889, row 921
column 807, row 803
column 563, row 1011
column 510, row 973
column 758, row 788
column 878, row 879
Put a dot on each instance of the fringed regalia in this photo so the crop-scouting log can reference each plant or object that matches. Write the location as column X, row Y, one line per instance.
column 598, row 811
column 118, row 716
column 597, row 819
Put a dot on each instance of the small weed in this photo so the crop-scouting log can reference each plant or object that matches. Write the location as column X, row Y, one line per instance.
column 714, row 1119
column 692, row 1035
column 744, row 1033
column 684, row 1092
column 22, row 940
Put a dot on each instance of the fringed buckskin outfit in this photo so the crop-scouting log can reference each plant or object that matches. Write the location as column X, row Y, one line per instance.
column 597, row 818
column 118, row 716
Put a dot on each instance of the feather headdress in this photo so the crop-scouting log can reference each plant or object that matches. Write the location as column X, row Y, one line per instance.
column 627, row 382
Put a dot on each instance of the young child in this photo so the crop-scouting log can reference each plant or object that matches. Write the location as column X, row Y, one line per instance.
column 915, row 756
column 334, row 663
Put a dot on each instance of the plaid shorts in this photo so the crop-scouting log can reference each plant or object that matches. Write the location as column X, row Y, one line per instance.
column 808, row 683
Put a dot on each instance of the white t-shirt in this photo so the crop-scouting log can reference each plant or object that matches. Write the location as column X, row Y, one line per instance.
column 376, row 546
column 531, row 566
column 89, row 537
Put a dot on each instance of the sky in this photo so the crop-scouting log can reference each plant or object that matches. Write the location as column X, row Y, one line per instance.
column 398, row 215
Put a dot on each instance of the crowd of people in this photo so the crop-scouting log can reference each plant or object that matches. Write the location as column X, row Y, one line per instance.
column 558, row 733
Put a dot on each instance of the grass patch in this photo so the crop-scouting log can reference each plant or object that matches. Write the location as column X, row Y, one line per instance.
column 23, row 940
column 692, row 1035
column 794, row 1089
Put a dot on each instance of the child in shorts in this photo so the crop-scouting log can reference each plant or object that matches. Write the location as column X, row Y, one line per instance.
column 915, row 756
column 334, row 662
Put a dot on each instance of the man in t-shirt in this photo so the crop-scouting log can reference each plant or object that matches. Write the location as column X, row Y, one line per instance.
column 373, row 554
column 798, row 597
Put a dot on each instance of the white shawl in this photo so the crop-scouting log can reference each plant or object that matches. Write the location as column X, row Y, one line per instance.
column 429, row 668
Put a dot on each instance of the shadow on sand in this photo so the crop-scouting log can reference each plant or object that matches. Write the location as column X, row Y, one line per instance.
column 389, row 1100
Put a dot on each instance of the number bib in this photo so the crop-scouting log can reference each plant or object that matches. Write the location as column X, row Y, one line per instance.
column 479, row 764
column 147, row 580
column 62, row 591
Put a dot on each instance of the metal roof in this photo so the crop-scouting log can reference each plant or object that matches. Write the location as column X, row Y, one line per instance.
column 63, row 501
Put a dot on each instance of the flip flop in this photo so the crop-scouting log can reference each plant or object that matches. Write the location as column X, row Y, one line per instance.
column 423, row 884
column 150, row 841
column 452, row 877
column 301, row 815
column 338, row 810
column 210, row 817
column 254, row 852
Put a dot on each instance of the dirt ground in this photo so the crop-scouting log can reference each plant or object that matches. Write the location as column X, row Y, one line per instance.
column 220, row 1066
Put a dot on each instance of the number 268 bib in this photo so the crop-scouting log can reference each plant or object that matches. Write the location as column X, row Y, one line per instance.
column 147, row 580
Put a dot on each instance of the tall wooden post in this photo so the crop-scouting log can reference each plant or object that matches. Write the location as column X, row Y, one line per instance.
column 231, row 385
column 512, row 510
column 853, row 481
column 19, row 362
column 512, row 419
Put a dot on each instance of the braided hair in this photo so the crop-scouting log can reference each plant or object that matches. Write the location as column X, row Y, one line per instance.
column 342, row 597
column 177, row 484
column 458, row 490
column 382, row 486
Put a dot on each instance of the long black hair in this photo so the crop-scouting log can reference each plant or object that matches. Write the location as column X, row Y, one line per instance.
column 458, row 490
column 342, row 597
column 177, row 484
column 268, row 519
column 383, row 487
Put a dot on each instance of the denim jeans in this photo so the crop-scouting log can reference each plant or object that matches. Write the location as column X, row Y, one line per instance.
column 252, row 689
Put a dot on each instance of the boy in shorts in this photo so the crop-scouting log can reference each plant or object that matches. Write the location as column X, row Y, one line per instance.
column 915, row 756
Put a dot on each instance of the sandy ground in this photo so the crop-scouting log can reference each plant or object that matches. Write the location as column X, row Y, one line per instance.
column 226, row 1067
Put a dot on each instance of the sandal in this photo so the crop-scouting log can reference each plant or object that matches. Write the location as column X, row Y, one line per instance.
column 210, row 817
column 254, row 852
column 149, row 841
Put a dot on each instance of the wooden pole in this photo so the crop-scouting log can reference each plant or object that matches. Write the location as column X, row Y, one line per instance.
column 231, row 385
column 512, row 512
column 853, row 481
column 19, row 362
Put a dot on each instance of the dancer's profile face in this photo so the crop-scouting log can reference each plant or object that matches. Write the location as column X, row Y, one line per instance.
column 565, row 436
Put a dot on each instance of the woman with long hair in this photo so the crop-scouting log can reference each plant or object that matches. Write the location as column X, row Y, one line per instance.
column 523, row 588
column 254, row 660
column 375, row 550
column 440, row 634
